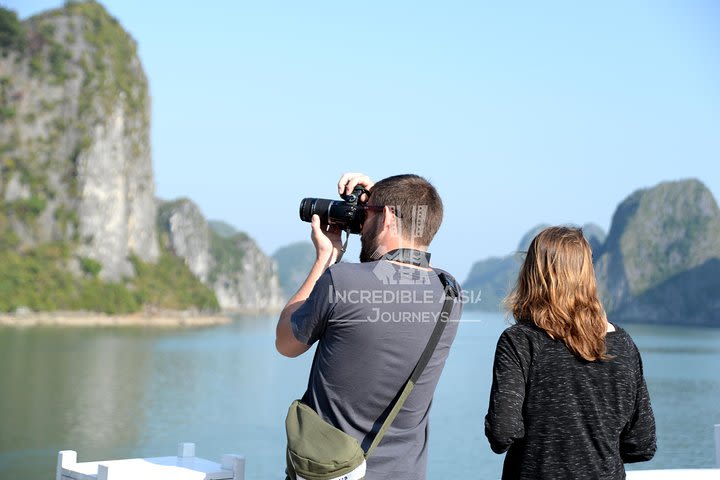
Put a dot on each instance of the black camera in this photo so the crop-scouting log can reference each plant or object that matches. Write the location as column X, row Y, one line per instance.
column 348, row 213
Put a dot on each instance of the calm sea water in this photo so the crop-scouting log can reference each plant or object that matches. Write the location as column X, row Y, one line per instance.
column 119, row 393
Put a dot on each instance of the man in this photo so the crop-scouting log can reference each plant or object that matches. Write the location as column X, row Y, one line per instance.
column 372, row 321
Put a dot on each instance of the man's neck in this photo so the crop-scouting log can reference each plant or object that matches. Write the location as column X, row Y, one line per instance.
column 395, row 244
column 409, row 256
column 409, row 265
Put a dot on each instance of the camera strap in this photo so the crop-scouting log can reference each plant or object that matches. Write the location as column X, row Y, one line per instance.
column 347, row 239
column 411, row 256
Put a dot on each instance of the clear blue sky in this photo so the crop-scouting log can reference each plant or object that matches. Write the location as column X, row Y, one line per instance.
column 520, row 113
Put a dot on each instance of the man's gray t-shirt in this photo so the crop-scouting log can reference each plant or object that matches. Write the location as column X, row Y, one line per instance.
column 372, row 321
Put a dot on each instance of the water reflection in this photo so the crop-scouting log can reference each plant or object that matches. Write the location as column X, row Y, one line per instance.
column 115, row 393
column 71, row 389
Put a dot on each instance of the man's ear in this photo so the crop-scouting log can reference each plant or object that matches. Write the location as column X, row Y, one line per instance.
column 390, row 221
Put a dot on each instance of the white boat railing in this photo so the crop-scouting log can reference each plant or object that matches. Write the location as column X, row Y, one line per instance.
column 184, row 466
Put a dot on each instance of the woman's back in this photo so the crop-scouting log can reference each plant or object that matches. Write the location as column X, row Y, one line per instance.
column 568, row 399
column 565, row 417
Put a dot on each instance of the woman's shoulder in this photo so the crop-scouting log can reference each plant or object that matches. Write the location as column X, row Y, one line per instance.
column 620, row 338
column 525, row 333
column 620, row 334
column 524, row 329
column 523, row 340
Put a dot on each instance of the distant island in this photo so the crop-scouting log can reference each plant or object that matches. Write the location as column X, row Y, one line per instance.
column 660, row 262
column 294, row 262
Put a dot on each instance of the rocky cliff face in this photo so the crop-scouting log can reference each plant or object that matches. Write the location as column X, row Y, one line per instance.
column 185, row 233
column 253, row 285
column 494, row 277
column 74, row 138
column 661, row 260
column 76, row 182
column 241, row 275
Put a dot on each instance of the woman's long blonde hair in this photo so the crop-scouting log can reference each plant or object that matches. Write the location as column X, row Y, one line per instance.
column 556, row 291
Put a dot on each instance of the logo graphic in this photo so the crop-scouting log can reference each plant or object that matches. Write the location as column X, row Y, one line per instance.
column 385, row 272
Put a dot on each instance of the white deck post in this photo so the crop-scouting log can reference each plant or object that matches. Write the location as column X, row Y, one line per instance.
column 103, row 473
column 66, row 458
column 186, row 450
column 717, row 445
column 184, row 466
column 236, row 463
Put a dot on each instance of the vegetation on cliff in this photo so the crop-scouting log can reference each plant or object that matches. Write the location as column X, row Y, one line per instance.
column 661, row 260
column 225, row 259
column 41, row 279
column 74, row 101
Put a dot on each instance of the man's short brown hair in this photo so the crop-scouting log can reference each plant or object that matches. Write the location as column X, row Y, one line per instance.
column 416, row 202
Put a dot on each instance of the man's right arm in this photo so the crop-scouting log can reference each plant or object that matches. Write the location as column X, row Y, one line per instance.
column 327, row 247
column 285, row 341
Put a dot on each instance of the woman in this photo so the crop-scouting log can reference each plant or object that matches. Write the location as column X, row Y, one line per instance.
column 568, row 399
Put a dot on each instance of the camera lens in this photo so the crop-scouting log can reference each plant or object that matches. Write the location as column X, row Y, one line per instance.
column 343, row 214
column 306, row 207
column 315, row 206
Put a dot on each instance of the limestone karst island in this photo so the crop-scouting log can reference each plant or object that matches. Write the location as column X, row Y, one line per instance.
column 80, row 227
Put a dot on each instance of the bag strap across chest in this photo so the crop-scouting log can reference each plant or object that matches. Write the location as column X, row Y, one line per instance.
column 451, row 293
